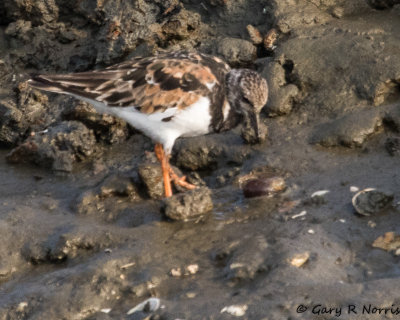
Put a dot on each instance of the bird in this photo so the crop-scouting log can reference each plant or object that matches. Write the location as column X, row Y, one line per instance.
column 167, row 96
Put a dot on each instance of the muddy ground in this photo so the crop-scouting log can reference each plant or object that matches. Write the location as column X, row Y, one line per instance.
column 83, row 234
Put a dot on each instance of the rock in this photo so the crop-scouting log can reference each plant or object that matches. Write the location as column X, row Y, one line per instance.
column 188, row 205
column 392, row 146
column 27, row 110
column 106, row 127
column 243, row 259
column 254, row 34
column 181, row 26
column 263, row 186
column 371, row 201
column 282, row 95
column 298, row 260
column 390, row 241
column 392, row 119
column 210, row 152
column 350, row 131
column 120, row 186
column 237, row 51
column 151, row 176
column 58, row 147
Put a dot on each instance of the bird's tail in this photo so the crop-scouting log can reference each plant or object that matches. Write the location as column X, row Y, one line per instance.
column 46, row 83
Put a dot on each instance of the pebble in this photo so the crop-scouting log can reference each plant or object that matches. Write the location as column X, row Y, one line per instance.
column 254, row 34
column 300, row 259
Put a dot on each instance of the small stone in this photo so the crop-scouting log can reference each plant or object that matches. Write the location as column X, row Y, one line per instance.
column 310, row 231
column 176, row 272
column 237, row 51
column 354, row 189
column 188, row 205
column 254, row 34
column 21, row 306
column 270, row 39
column 300, row 259
column 192, row 269
column 371, row 201
column 338, row 12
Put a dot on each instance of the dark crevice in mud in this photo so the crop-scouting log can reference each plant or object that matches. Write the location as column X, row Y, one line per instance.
column 383, row 4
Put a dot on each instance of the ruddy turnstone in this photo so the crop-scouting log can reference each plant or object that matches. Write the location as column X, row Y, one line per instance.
column 172, row 95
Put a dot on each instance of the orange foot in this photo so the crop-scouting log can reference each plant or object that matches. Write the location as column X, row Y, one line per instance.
column 168, row 172
column 180, row 181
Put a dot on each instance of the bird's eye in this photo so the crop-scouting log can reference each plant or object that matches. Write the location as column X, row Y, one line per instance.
column 246, row 100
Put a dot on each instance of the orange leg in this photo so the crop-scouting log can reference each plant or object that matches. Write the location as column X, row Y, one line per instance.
column 160, row 154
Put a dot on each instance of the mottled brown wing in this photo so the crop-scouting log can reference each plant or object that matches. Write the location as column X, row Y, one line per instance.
column 151, row 84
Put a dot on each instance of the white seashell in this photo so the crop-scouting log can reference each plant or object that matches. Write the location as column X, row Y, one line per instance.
column 311, row 231
column 149, row 305
column 319, row 193
column 303, row 213
column 371, row 201
column 235, row 310
column 105, row 310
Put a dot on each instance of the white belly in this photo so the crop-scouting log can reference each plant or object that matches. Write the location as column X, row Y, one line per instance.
column 192, row 121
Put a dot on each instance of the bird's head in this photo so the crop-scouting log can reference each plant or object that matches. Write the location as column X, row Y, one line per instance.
column 247, row 94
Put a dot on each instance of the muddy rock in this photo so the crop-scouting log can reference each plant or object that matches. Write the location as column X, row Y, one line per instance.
column 392, row 146
column 151, row 176
column 188, row 205
column 392, row 118
column 210, row 152
column 181, row 26
column 105, row 127
column 237, row 51
column 243, row 259
column 57, row 148
column 350, row 131
column 282, row 94
column 26, row 110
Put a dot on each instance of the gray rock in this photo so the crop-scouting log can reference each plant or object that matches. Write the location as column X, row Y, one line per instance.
column 58, row 148
column 211, row 151
column 237, row 51
column 351, row 130
column 188, row 205
column 22, row 112
column 106, row 127
column 243, row 259
column 392, row 146
column 282, row 95
column 151, row 176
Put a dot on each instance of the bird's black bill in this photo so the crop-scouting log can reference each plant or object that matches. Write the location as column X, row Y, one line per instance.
column 251, row 130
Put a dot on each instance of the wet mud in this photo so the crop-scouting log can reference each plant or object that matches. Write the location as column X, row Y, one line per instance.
column 84, row 233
